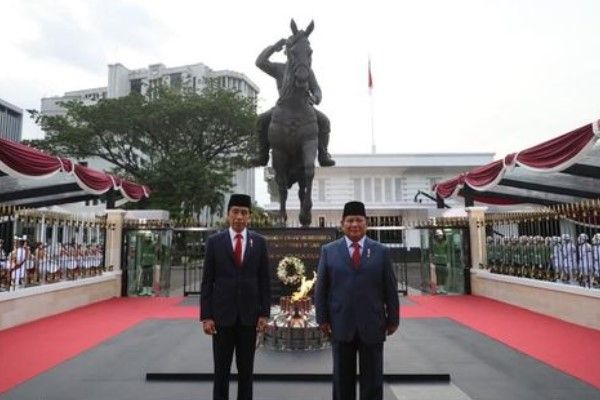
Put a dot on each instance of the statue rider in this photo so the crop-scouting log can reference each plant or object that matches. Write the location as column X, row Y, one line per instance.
column 277, row 71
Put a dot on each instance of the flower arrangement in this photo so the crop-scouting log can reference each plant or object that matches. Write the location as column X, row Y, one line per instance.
column 290, row 270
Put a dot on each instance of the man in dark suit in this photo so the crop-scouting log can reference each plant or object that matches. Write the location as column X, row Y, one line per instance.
column 357, row 304
column 235, row 297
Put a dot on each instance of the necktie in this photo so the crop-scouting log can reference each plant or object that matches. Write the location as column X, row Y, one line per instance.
column 237, row 250
column 356, row 254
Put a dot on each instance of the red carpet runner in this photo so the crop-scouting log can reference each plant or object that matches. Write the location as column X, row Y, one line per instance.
column 30, row 349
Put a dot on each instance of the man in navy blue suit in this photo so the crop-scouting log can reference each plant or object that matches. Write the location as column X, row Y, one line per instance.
column 357, row 304
column 235, row 297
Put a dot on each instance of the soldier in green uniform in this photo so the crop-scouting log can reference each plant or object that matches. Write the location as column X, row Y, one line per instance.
column 526, row 244
column 547, row 258
column 514, row 250
column 498, row 254
column 147, row 258
column 490, row 249
column 537, row 265
column 441, row 258
column 506, row 255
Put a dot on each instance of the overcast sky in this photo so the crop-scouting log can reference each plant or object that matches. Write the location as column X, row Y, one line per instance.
column 449, row 76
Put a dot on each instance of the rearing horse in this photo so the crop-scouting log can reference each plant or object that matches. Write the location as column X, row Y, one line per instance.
column 293, row 131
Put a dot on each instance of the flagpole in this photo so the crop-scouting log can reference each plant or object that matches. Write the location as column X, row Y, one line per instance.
column 373, row 149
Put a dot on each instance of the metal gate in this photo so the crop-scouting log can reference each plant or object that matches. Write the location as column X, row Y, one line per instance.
column 187, row 258
column 188, row 251
column 146, row 261
column 402, row 256
column 445, row 261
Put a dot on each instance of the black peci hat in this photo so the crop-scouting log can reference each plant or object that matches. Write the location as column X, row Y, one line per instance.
column 354, row 208
column 239, row 200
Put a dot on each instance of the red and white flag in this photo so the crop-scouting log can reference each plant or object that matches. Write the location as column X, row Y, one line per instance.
column 371, row 103
column 370, row 77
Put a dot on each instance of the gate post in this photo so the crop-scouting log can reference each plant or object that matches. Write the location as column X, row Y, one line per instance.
column 114, row 238
column 476, row 217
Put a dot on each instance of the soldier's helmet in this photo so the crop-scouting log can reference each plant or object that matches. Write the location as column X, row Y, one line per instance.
column 439, row 233
column 583, row 238
column 538, row 239
column 566, row 237
column 523, row 239
column 596, row 239
column 556, row 239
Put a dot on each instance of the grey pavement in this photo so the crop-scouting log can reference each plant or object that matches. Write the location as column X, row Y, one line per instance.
column 480, row 368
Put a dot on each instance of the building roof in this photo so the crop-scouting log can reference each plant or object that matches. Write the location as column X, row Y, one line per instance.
column 11, row 106
column 413, row 160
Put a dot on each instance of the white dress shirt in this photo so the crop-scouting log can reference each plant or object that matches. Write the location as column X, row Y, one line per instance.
column 361, row 243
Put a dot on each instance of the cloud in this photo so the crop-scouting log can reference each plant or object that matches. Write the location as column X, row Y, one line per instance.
column 129, row 25
column 64, row 39
column 84, row 36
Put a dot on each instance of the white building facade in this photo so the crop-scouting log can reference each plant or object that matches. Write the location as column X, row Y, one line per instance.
column 11, row 121
column 123, row 81
column 388, row 184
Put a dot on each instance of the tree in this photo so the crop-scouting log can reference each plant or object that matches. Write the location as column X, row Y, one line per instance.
column 185, row 146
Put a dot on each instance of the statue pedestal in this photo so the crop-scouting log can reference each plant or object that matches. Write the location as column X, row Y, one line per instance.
column 303, row 243
column 294, row 327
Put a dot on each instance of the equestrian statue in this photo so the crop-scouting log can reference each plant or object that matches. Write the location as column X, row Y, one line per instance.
column 295, row 131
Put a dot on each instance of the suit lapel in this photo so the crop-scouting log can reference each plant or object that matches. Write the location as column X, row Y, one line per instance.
column 366, row 254
column 249, row 246
column 226, row 239
column 345, row 253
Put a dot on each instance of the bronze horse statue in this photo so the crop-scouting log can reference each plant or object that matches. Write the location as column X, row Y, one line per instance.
column 293, row 130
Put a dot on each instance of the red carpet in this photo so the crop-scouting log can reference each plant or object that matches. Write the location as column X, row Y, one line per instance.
column 33, row 348
column 570, row 348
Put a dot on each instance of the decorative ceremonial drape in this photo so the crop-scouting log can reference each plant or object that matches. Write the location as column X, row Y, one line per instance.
column 551, row 156
column 19, row 160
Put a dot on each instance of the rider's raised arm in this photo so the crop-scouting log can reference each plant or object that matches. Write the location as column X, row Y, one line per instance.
column 262, row 61
column 315, row 89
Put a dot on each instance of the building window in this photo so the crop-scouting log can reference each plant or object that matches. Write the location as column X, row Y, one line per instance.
column 398, row 189
column 368, row 190
column 377, row 186
column 176, row 81
column 136, row 86
column 49, row 230
column 357, row 188
column 388, row 190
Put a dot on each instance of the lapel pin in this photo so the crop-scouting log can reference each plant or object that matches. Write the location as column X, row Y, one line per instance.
column 368, row 252
column 251, row 243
